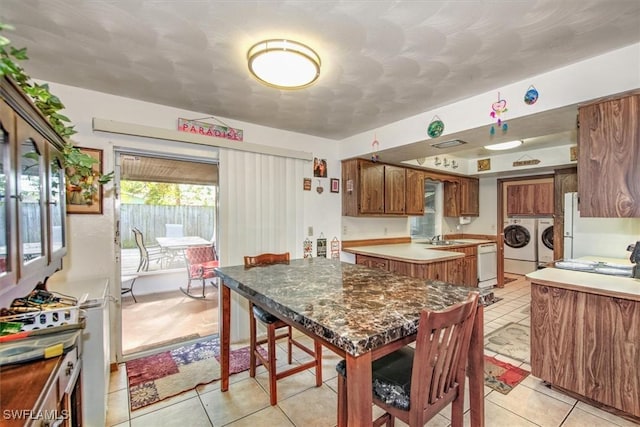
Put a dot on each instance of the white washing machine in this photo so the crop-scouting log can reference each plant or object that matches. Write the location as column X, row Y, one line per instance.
column 520, row 245
column 545, row 241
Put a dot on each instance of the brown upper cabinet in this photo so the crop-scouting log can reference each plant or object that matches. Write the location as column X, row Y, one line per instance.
column 609, row 158
column 469, row 197
column 530, row 199
column 370, row 189
column 414, row 203
column 394, row 190
column 371, row 200
column 461, row 197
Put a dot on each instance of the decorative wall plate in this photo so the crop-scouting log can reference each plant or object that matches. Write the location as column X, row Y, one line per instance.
column 436, row 127
column 531, row 96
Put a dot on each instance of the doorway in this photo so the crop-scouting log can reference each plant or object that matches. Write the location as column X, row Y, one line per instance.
column 165, row 204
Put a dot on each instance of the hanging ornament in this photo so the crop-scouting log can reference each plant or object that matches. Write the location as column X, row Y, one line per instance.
column 335, row 248
column 436, row 127
column 321, row 246
column 319, row 188
column 307, row 248
column 498, row 108
column 531, row 96
column 375, row 145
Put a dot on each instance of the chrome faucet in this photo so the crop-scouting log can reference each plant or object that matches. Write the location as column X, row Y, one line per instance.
column 435, row 238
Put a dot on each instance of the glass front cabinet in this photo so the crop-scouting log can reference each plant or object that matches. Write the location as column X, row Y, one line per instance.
column 32, row 199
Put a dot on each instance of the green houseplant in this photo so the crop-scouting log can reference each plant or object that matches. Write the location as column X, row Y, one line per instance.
column 82, row 178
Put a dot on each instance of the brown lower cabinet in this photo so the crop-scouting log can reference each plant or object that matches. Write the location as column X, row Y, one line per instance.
column 450, row 271
column 588, row 344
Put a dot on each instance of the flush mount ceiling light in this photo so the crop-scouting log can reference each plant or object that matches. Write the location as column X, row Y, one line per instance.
column 284, row 64
column 504, row 145
column 447, row 144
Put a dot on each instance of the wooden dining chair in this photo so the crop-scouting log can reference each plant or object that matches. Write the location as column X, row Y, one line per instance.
column 273, row 324
column 414, row 385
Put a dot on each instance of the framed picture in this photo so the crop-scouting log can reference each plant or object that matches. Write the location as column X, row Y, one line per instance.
column 335, row 185
column 319, row 167
column 306, row 184
column 76, row 203
column 573, row 153
column 484, row 165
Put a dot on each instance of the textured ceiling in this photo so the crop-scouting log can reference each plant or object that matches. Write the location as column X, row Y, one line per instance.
column 381, row 60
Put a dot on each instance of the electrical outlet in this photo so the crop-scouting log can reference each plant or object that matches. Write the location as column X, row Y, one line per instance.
column 385, row 231
column 310, row 231
column 344, row 229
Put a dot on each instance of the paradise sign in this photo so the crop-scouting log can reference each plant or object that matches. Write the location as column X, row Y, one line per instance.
column 209, row 129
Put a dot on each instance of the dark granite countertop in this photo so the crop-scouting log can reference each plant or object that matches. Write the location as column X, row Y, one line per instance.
column 353, row 307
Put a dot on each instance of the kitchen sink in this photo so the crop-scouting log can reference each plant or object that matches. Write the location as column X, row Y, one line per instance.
column 444, row 243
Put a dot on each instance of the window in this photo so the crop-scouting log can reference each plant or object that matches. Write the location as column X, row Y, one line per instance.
column 429, row 224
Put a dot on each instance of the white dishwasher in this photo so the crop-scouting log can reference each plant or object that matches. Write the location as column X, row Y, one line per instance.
column 487, row 265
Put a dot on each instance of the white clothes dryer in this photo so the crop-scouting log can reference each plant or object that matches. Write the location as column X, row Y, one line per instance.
column 520, row 239
column 545, row 240
column 520, row 245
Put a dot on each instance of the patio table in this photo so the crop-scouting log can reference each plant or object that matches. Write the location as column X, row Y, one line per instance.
column 172, row 247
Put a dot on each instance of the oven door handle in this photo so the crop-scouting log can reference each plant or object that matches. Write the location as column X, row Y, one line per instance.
column 73, row 369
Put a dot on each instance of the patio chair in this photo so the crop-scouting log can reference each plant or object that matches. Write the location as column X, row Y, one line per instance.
column 200, row 261
column 147, row 253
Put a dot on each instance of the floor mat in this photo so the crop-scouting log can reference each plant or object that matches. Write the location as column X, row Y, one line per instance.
column 163, row 375
column 506, row 280
column 502, row 376
column 511, row 340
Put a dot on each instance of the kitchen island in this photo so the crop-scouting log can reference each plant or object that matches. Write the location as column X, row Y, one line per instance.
column 453, row 263
column 585, row 336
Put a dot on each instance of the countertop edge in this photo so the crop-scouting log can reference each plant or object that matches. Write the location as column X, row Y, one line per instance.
column 443, row 255
column 587, row 288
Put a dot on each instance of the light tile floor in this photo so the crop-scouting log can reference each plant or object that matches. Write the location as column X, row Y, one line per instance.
column 301, row 404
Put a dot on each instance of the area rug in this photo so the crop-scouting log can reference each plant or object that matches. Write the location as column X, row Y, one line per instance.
column 502, row 376
column 163, row 375
column 508, row 280
column 510, row 340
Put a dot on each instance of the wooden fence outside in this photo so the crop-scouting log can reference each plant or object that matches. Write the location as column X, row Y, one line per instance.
column 152, row 219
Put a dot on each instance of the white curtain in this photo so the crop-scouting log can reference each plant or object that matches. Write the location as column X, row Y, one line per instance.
column 261, row 210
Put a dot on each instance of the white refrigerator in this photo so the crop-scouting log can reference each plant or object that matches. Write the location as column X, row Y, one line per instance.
column 604, row 237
